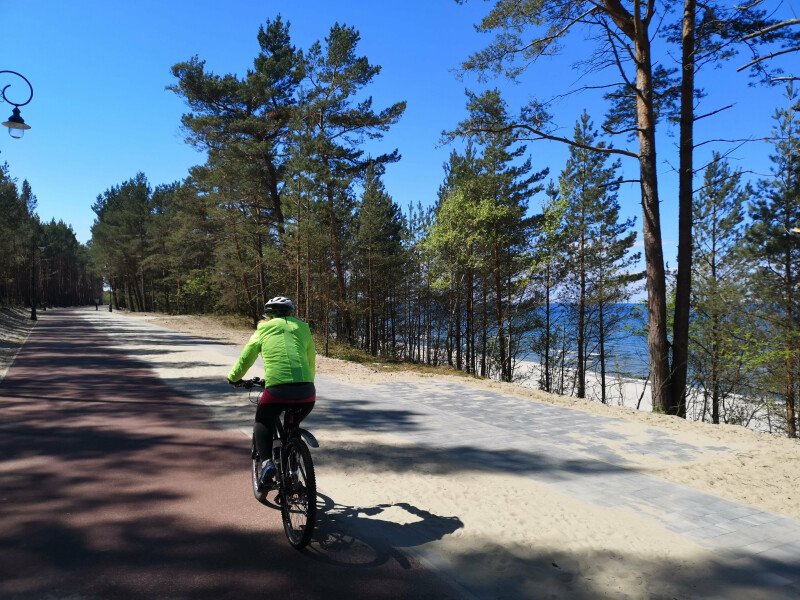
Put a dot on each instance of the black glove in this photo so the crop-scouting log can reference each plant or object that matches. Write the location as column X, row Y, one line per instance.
column 236, row 383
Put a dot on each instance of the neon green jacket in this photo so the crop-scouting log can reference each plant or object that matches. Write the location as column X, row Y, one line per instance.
column 286, row 345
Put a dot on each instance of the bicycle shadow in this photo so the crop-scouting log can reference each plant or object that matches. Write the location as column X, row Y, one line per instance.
column 351, row 536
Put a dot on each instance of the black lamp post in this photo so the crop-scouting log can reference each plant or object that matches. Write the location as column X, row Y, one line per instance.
column 15, row 123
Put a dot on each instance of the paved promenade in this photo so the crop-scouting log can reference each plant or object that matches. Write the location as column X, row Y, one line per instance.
column 115, row 485
column 578, row 454
column 572, row 454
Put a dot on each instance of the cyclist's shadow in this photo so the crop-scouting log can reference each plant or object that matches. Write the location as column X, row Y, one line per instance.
column 350, row 535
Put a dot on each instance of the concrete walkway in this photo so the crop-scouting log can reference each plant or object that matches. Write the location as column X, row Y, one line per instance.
column 575, row 452
column 752, row 546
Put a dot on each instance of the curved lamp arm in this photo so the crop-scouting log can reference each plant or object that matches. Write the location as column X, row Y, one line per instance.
column 25, row 79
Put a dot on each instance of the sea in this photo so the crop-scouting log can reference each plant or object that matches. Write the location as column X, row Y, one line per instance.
column 626, row 342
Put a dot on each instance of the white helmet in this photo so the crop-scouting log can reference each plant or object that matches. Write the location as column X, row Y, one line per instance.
column 279, row 305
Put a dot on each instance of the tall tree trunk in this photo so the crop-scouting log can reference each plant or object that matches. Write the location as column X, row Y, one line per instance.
column 654, row 254
column 635, row 27
column 308, row 281
column 262, row 278
column 680, row 332
column 327, row 323
column 791, row 425
column 448, row 342
column 715, row 334
column 602, row 332
column 470, row 333
column 344, row 322
column 510, row 336
column 372, row 342
column 297, row 277
column 420, row 325
column 428, row 324
column 459, row 358
column 582, row 322
column 393, row 326
column 714, row 379
column 548, row 384
column 275, row 196
column 501, row 333
column 484, row 325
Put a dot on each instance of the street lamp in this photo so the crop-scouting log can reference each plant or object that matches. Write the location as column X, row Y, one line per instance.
column 15, row 123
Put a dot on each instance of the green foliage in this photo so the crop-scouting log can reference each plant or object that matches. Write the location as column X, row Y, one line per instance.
column 773, row 248
column 720, row 329
column 39, row 262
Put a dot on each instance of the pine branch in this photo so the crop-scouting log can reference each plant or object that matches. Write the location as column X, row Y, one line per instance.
column 546, row 136
column 733, row 141
column 610, row 131
column 771, row 28
column 767, row 57
column 547, row 40
column 719, row 110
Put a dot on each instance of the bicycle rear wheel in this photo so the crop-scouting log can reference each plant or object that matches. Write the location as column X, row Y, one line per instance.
column 298, row 494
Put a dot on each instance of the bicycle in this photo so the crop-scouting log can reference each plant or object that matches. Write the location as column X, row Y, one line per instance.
column 295, row 480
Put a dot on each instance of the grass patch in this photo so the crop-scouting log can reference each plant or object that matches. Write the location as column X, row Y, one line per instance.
column 233, row 321
column 349, row 353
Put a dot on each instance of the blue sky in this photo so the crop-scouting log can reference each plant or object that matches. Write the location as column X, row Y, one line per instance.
column 101, row 113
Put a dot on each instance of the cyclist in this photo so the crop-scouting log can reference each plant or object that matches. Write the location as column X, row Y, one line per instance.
column 287, row 347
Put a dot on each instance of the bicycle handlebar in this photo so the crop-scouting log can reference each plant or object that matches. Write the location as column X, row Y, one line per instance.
column 249, row 383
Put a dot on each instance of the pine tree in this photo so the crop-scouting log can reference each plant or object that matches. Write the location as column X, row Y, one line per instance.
column 19, row 240
column 120, row 240
column 772, row 244
column 244, row 123
column 331, row 126
column 547, row 270
column 379, row 258
column 613, row 271
column 718, row 290
column 588, row 187
column 489, row 209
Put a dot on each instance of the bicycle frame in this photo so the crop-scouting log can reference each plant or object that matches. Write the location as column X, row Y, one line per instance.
column 284, row 436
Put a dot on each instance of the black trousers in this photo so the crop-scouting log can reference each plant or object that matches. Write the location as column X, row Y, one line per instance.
column 264, row 427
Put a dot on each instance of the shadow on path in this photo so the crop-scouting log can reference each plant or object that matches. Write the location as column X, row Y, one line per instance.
column 112, row 485
column 375, row 457
column 352, row 536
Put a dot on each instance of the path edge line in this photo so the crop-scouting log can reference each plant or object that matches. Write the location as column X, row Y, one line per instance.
column 5, row 371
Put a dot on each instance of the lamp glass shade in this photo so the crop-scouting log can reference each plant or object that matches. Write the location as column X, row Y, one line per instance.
column 16, row 124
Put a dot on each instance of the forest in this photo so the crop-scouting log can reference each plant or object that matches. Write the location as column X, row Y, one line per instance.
column 510, row 271
column 41, row 264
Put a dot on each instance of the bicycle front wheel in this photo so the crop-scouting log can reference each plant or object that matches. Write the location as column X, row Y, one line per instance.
column 255, row 474
column 299, row 494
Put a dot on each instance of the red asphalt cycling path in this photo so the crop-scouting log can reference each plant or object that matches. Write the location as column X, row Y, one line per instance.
column 113, row 485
